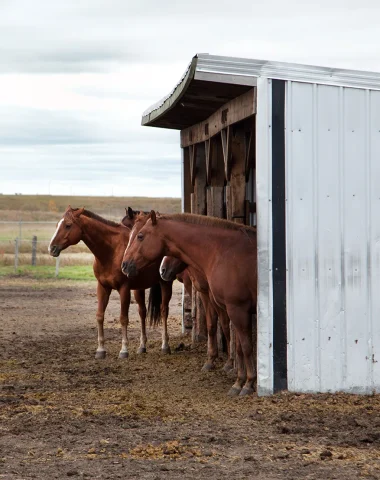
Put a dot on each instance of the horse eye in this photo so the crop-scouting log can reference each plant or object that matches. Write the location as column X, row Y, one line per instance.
column 140, row 236
column 67, row 226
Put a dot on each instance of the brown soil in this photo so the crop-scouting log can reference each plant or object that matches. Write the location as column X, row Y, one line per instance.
column 64, row 414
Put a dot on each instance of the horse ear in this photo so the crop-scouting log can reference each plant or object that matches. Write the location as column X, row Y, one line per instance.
column 153, row 217
column 130, row 213
column 78, row 213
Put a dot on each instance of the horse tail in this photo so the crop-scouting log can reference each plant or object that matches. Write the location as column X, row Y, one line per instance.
column 154, row 305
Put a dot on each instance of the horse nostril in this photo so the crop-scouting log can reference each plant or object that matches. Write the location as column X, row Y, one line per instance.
column 163, row 270
column 123, row 265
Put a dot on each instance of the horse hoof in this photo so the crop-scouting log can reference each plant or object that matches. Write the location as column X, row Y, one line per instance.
column 228, row 367
column 123, row 355
column 246, row 391
column 141, row 350
column 100, row 355
column 207, row 367
column 166, row 351
column 234, row 392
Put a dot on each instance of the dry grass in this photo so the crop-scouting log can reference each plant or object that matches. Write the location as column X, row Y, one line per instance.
column 66, row 259
column 49, row 207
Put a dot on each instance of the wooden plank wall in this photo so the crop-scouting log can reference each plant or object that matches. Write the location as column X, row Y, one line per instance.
column 217, row 168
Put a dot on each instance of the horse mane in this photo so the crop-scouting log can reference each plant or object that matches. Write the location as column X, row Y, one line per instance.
column 95, row 216
column 208, row 221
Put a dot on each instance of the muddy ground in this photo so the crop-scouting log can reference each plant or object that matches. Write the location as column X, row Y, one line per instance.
column 65, row 414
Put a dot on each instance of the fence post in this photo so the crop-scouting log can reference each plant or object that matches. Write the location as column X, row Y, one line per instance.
column 20, row 229
column 34, row 250
column 16, row 253
column 57, row 266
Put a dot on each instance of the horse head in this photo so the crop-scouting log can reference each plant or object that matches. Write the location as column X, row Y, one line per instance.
column 170, row 267
column 144, row 247
column 68, row 231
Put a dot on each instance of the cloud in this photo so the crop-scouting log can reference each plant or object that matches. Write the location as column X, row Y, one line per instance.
column 76, row 76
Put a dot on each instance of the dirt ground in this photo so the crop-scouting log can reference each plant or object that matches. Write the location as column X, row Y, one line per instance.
column 65, row 414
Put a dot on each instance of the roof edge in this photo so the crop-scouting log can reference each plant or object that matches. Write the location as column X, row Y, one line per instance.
column 220, row 68
column 169, row 101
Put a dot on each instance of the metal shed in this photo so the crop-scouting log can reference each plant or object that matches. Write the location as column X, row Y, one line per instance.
column 300, row 146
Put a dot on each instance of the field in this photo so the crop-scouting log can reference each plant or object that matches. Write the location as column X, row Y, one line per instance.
column 48, row 209
column 64, row 414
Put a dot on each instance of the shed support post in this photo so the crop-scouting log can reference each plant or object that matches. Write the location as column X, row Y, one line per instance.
column 187, row 322
column 236, row 194
column 198, row 205
column 215, row 197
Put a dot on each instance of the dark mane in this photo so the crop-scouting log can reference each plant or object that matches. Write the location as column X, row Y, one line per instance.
column 208, row 221
column 97, row 217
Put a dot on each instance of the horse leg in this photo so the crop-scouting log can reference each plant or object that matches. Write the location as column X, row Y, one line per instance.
column 225, row 324
column 241, row 371
column 103, row 294
column 166, row 295
column 125, row 300
column 212, row 327
column 140, row 300
column 242, row 319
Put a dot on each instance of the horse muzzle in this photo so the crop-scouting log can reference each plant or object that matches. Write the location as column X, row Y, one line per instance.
column 55, row 250
column 166, row 274
column 129, row 269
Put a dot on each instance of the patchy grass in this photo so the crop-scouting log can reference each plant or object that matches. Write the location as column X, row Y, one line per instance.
column 69, row 272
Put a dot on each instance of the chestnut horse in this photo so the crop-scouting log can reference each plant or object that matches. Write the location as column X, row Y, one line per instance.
column 107, row 241
column 170, row 268
column 223, row 252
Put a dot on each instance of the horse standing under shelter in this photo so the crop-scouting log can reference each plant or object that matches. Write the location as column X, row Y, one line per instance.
column 107, row 240
column 172, row 267
column 225, row 253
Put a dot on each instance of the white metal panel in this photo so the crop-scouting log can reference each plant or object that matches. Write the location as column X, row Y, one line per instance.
column 374, row 236
column 355, row 239
column 264, row 238
column 302, row 318
column 333, row 238
column 328, row 215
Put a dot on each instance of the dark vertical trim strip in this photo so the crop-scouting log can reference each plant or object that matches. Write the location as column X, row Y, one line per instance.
column 280, row 369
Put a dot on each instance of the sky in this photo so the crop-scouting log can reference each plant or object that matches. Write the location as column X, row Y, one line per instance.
column 76, row 76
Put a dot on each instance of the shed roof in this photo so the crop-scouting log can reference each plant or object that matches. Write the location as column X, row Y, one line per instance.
column 210, row 81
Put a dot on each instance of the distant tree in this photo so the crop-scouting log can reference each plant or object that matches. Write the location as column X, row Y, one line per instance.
column 52, row 206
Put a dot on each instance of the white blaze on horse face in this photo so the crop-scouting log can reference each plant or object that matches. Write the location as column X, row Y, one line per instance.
column 130, row 237
column 55, row 234
column 162, row 262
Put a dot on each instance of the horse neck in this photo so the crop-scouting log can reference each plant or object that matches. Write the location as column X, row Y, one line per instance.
column 182, row 240
column 100, row 238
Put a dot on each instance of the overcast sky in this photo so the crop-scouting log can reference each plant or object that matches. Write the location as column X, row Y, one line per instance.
column 76, row 75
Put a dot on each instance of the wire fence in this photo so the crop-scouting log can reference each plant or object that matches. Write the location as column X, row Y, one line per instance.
column 25, row 243
column 33, row 253
column 20, row 224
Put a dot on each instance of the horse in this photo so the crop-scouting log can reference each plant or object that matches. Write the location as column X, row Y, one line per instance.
column 107, row 241
column 223, row 252
column 129, row 221
column 171, row 268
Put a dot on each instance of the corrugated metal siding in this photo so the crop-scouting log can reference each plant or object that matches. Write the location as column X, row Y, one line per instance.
column 264, row 238
column 333, row 237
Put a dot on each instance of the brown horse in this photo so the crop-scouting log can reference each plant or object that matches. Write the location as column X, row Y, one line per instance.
column 171, row 268
column 107, row 241
column 223, row 252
